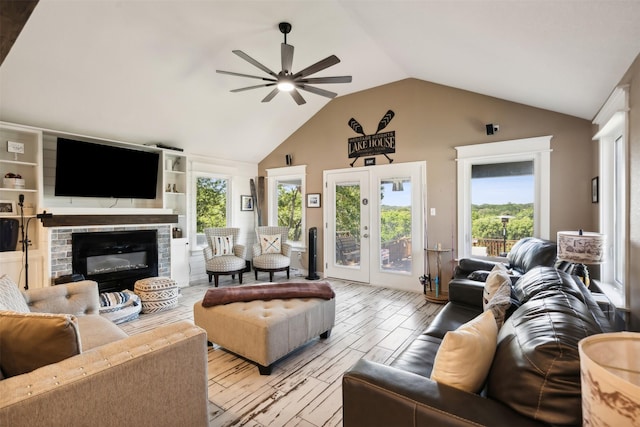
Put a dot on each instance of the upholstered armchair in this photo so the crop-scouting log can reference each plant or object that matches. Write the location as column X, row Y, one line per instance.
column 271, row 253
column 223, row 255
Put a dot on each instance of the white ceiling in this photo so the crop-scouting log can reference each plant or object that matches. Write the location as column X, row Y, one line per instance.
column 144, row 71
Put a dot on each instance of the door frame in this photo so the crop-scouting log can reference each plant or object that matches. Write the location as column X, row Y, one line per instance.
column 376, row 276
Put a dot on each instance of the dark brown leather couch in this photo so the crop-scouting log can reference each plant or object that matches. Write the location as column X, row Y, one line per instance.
column 534, row 379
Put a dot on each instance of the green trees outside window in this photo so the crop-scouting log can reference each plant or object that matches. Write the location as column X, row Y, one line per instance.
column 211, row 203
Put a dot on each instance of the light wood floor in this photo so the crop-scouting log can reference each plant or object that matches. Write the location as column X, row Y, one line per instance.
column 305, row 388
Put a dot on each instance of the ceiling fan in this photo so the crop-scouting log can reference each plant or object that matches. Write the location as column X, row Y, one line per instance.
column 286, row 80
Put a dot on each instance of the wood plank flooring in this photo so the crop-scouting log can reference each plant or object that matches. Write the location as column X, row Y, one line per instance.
column 305, row 388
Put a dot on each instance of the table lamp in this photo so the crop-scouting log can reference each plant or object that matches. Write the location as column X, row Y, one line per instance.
column 581, row 247
column 610, row 379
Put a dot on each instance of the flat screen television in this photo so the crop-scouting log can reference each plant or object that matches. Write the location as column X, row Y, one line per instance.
column 85, row 169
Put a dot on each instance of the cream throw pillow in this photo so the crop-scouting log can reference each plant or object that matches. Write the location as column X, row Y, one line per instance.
column 270, row 244
column 497, row 293
column 10, row 296
column 465, row 355
column 222, row 245
column 29, row 341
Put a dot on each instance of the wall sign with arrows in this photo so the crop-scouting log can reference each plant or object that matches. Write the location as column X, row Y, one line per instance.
column 372, row 145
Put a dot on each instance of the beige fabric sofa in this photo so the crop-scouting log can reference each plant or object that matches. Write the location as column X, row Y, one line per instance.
column 156, row 378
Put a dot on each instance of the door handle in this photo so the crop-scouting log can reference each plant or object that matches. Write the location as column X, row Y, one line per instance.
column 365, row 235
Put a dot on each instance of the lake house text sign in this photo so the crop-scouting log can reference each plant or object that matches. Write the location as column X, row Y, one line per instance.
column 372, row 145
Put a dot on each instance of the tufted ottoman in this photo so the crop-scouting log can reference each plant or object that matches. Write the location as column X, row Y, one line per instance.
column 157, row 294
column 265, row 331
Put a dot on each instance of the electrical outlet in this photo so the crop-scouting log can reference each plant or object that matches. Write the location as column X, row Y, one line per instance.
column 15, row 147
column 433, row 211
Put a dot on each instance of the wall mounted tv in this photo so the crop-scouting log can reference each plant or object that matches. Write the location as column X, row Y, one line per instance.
column 85, row 169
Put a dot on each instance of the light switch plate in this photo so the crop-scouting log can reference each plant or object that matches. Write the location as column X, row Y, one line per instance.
column 15, row 147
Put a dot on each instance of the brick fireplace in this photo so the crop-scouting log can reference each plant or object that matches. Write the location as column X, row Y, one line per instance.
column 61, row 246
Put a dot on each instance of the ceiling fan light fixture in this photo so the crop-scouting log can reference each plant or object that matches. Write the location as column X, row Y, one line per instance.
column 285, row 85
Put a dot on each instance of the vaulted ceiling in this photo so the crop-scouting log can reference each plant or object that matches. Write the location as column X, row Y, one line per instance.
column 145, row 71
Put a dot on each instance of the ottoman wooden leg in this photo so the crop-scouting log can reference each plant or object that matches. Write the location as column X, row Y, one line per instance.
column 325, row 334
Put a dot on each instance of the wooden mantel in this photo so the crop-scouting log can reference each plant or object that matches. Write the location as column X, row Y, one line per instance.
column 80, row 220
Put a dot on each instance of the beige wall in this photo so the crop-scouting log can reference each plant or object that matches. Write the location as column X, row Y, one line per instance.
column 430, row 120
column 632, row 77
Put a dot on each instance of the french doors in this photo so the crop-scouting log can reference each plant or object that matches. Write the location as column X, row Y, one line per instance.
column 375, row 224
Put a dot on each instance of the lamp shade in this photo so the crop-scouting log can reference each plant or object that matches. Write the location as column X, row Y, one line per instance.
column 581, row 247
column 610, row 379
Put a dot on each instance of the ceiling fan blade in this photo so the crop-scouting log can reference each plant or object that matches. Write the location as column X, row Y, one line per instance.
column 231, row 73
column 318, row 80
column 317, row 91
column 286, row 51
column 251, row 87
column 269, row 97
column 253, row 62
column 318, row 66
column 297, row 97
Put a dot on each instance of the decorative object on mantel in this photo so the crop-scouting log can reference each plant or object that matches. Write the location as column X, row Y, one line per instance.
column 372, row 145
column 581, row 247
column 610, row 379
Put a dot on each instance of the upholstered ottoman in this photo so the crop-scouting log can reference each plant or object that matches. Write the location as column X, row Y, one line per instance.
column 157, row 294
column 264, row 331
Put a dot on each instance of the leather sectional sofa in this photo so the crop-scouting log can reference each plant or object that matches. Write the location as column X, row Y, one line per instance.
column 534, row 378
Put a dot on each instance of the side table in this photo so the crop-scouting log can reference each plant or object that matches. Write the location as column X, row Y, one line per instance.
column 434, row 293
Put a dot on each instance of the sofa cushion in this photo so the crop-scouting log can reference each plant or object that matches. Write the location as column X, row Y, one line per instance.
column 464, row 357
column 531, row 252
column 540, row 282
column 536, row 368
column 10, row 296
column 96, row 331
column 418, row 357
column 31, row 340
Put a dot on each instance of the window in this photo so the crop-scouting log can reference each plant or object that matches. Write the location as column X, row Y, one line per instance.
column 286, row 191
column 612, row 207
column 211, row 202
column 503, row 194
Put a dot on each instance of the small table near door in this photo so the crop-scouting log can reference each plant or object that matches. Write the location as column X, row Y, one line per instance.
column 434, row 293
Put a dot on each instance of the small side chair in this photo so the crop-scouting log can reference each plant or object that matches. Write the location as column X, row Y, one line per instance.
column 223, row 255
column 271, row 253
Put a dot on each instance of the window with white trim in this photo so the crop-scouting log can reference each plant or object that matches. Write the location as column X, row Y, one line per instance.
column 285, row 195
column 521, row 163
column 612, row 122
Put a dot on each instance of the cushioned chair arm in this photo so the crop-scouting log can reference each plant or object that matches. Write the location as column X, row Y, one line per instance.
column 240, row 251
column 257, row 249
column 380, row 395
column 465, row 291
column 155, row 378
column 208, row 253
column 469, row 265
column 78, row 298
column 286, row 249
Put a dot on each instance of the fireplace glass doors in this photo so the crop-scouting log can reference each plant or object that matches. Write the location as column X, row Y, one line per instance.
column 115, row 259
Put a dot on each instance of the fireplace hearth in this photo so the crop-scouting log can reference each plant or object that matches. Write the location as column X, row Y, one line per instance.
column 115, row 259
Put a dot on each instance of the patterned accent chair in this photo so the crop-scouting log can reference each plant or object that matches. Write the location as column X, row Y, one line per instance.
column 223, row 255
column 271, row 253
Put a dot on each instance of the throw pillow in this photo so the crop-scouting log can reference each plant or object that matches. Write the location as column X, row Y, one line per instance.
column 496, row 278
column 270, row 244
column 10, row 296
column 464, row 357
column 478, row 275
column 497, row 293
column 29, row 341
column 222, row 245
